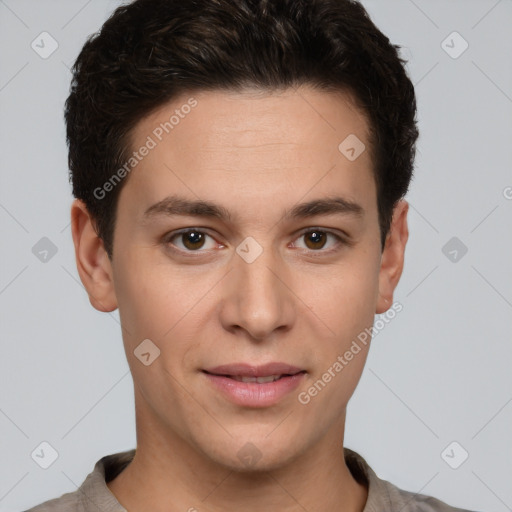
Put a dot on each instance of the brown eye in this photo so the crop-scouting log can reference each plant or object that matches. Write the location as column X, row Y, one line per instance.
column 190, row 240
column 193, row 239
column 315, row 239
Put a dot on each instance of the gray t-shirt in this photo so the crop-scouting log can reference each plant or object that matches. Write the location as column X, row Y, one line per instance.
column 94, row 495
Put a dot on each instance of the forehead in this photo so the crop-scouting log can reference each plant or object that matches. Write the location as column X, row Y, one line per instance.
column 217, row 116
column 251, row 145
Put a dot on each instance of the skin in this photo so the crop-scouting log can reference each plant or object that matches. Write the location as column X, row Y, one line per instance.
column 257, row 154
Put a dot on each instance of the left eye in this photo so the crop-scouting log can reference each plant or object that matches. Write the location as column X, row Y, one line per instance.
column 194, row 239
column 317, row 238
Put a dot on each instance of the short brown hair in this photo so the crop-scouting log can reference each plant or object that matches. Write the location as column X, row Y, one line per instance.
column 150, row 51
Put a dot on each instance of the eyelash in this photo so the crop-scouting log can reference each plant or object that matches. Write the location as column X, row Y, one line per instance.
column 341, row 241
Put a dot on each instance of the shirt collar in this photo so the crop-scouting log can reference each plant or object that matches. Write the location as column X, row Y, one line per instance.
column 95, row 495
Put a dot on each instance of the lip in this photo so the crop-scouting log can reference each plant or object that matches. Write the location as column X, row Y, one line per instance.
column 247, row 370
column 254, row 394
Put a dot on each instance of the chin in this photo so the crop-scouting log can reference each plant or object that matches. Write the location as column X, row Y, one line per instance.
column 253, row 453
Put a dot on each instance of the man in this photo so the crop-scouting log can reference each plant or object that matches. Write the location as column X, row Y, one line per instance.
column 239, row 168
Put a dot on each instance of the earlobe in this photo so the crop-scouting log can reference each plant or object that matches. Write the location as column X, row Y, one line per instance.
column 93, row 264
column 392, row 261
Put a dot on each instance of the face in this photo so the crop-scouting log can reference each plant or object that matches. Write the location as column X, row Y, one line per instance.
column 275, row 276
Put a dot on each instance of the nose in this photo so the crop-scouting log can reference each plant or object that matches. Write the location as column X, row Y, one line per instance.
column 259, row 298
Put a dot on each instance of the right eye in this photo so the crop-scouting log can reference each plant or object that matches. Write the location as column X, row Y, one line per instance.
column 191, row 240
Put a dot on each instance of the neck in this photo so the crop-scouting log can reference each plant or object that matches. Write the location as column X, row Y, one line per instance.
column 168, row 474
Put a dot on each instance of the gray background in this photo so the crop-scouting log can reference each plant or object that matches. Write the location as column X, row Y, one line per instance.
column 438, row 373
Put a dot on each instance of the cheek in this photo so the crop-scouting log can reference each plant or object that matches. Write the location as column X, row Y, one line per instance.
column 344, row 299
column 345, row 381
column 344, row 307
column 346, row 310
column 147, row 306
column 160, row 302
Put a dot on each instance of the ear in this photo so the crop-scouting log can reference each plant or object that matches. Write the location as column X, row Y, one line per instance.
column 92, row 260
column 392, row 260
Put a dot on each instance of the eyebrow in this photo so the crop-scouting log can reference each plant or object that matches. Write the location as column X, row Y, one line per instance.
column 176, row 205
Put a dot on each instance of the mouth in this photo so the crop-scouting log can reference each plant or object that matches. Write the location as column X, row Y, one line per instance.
column 260, row 380
column 255, row 386
column 244, row 372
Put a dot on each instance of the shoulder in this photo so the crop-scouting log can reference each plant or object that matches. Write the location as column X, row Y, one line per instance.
column 383, row 496
column 68, row 502
column 93, row 495
column 409, row 501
